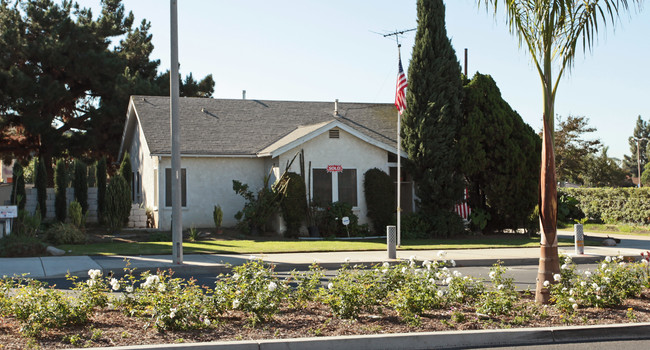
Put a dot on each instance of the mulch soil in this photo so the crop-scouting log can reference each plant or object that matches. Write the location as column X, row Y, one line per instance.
column 112, row 328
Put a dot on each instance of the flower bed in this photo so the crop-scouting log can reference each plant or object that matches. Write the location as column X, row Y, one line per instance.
column 252, row 303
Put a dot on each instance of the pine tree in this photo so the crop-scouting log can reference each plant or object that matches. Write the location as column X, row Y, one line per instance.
column 60, row 187
column 641, row 132
column 432, row 120
column 40, row 182
column 100, row 175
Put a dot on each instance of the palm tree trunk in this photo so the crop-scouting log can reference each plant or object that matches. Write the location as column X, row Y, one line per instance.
column 548, row 258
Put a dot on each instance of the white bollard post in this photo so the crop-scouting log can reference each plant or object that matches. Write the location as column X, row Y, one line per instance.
column 579, row 239
column 391, row 241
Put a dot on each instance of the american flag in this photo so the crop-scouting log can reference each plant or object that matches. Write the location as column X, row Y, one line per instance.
column 400, row 95
column 462, row 209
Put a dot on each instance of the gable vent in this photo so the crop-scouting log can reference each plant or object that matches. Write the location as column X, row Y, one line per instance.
column 334, row 134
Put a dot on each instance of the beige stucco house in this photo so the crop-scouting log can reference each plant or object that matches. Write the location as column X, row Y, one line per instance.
column 224, row 140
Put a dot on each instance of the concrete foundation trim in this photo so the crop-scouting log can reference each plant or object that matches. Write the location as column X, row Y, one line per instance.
column 433, row 340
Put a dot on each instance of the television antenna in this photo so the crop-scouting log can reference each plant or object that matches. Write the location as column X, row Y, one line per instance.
column 397, row 34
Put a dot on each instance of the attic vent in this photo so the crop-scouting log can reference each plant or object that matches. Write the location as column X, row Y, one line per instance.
column 334, row 134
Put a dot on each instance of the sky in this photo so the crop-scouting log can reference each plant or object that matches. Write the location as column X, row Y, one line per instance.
column 325, row 50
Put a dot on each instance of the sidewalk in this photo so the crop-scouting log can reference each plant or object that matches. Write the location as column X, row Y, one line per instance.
column 630, row 246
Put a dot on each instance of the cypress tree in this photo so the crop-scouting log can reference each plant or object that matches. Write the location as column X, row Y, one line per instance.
column 40, row 182
column 80, row 185
column 18, row 194
column 432, row 120
column 127, row 172
column 500, row 156
column 100, row 175
column 60, row 186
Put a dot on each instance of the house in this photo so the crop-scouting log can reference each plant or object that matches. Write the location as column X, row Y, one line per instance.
column 245, row 140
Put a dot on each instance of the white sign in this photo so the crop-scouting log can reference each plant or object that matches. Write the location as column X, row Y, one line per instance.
column 8, row 211
column 345, row 220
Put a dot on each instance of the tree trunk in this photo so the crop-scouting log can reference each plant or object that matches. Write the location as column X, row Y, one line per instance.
column 548, row 259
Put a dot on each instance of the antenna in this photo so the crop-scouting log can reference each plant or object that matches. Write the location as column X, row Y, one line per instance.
column 397, row 34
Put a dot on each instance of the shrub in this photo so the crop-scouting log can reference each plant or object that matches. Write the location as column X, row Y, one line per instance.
column 329, row 220
column 76, row 215
column 567, row 208
column 254, row 289
column 380, row 195
column 414, row 225
column 65, row 233
column 38, row 309
column 172, row 303
column 612, row 205
column 100, row 175
column 118, row 203
column 17, row 245
column 80, row 185
column 40, row 182
column 217, row 216
column 26, row 224
column 60, row 186
column 259, row 206
column 18, row 194
column 293, row 203
column 608, row 286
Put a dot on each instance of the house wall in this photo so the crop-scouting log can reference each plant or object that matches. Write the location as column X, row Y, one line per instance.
column 209, row 182
column 146, row 165
column 347, row 151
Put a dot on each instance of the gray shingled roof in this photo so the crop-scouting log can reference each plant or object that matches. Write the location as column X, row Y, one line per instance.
column 245, row 127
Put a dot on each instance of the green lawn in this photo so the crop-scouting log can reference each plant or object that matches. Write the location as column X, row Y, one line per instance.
column 608, row 228
column 294, row 246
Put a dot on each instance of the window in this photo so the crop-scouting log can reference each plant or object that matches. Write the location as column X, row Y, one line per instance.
column 331, row 187
column 168, row 187
column 322, row 186
column 348, row 186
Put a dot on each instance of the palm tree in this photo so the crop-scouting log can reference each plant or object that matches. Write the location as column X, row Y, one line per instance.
column 551, row 30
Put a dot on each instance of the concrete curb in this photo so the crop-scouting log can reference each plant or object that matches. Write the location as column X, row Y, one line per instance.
column 431, row 340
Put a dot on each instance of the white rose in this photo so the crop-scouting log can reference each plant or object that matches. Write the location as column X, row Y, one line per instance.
column 272, row 286
column 547, row 283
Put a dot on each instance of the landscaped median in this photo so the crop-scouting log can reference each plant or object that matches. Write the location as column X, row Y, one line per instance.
column 251, row 302
column 249, row 246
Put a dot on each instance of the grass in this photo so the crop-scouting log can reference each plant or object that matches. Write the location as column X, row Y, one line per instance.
column 246, row 246
column 608, row 228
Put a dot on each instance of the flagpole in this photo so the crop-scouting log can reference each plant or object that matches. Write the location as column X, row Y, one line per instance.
column 399, row 167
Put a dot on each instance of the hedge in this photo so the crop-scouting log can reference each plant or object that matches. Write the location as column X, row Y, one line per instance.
column 613, row 205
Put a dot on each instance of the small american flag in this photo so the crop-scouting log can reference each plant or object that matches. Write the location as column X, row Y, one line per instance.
column 462, row 209
column 400, row 95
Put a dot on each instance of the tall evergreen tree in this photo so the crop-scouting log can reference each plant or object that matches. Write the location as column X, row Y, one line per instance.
column 60, row 187
column 40, row 182
column 80, row 185
column 432, row 119
column 500, row 157
column 125, row 168
column 18, row 193
column 100, row 175
column 572, row 150
column 642, row 133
